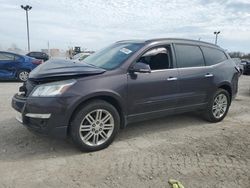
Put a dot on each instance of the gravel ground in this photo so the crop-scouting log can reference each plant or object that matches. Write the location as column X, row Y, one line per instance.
column 146, row 154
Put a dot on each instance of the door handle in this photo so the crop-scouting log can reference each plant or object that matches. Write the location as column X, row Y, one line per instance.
column 171, row 78
column 209, row 75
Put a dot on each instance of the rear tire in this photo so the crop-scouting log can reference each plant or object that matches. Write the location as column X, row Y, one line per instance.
column 218, row 106
column 95, row 125
column 23, row 75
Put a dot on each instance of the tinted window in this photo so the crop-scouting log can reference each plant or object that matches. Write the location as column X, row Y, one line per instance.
column 39, row 54
column 6, row 56
column 213, row 56
column 31, row 54
column 189, row 56
column 157, row 58
column 35, row 54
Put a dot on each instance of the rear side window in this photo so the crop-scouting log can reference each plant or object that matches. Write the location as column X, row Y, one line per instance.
column 213, row 56
column 31, row 54
column 189, row 56
column 38, row 54
column 6, row 56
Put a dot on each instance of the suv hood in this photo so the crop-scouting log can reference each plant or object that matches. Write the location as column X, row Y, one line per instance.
column 61, row 68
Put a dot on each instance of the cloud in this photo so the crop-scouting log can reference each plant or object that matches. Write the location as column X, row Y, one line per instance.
column 94, row 24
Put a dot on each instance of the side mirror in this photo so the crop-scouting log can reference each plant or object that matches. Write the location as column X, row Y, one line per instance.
column 141, row 67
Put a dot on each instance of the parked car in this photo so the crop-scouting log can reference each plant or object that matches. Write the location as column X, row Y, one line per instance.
column 246, row 64
column 126, row 82
column 38, row 55
column 15, row 66
column 80, row 56
column 239, row 64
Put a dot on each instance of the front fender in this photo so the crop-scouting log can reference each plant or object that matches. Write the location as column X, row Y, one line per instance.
column 99, row 95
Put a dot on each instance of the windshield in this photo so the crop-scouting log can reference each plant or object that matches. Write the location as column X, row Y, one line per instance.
column 113, row 56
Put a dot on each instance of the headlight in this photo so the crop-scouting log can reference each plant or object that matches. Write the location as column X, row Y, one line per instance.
column 52, row 89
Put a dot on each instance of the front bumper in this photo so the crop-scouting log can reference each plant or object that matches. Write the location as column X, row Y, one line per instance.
column 43, row 115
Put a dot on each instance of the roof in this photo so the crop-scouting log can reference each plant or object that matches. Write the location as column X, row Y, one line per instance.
column 180, row 40
column 172, row 40
column 9, row 52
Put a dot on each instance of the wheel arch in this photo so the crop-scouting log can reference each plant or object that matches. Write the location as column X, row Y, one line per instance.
column 227, row 87
column 108, row 97
column 22, row 69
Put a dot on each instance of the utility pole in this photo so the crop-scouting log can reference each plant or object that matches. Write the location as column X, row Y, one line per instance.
column 48, row 50
column 27, row 8
column 216, row 36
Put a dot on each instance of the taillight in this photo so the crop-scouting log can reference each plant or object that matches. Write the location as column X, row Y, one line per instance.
column 37, row 61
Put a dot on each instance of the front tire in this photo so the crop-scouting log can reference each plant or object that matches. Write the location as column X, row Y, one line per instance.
column 95, row 125
column 218, row 106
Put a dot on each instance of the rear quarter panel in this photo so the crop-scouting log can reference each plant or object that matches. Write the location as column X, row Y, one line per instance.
column 226, row 74
column 27, row 64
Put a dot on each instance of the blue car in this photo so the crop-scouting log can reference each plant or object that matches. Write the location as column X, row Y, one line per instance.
column 16, row 67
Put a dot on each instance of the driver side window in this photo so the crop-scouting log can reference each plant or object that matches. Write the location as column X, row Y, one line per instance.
column 157, row 58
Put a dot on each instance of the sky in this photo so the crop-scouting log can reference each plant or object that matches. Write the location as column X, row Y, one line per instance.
column 93, row 24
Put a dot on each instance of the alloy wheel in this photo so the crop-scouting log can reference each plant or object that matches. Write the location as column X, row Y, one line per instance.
column 23, row 76
column 220, row 105
column 96, row 127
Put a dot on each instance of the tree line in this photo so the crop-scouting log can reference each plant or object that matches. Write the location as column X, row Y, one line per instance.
column 240, row 55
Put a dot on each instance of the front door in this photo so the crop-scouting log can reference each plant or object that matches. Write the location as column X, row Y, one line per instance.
column 156, row 91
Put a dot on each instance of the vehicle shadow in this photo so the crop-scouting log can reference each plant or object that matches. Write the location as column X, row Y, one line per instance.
column 161, row 124
column 17, row 143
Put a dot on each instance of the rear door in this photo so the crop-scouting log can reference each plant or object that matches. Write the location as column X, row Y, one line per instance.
column 222, row 68
column 195, row 78
column 7, row 65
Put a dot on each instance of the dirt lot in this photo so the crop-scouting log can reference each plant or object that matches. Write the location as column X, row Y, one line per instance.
column 146, row 154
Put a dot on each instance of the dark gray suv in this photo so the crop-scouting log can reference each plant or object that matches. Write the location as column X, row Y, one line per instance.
column 126, row 82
